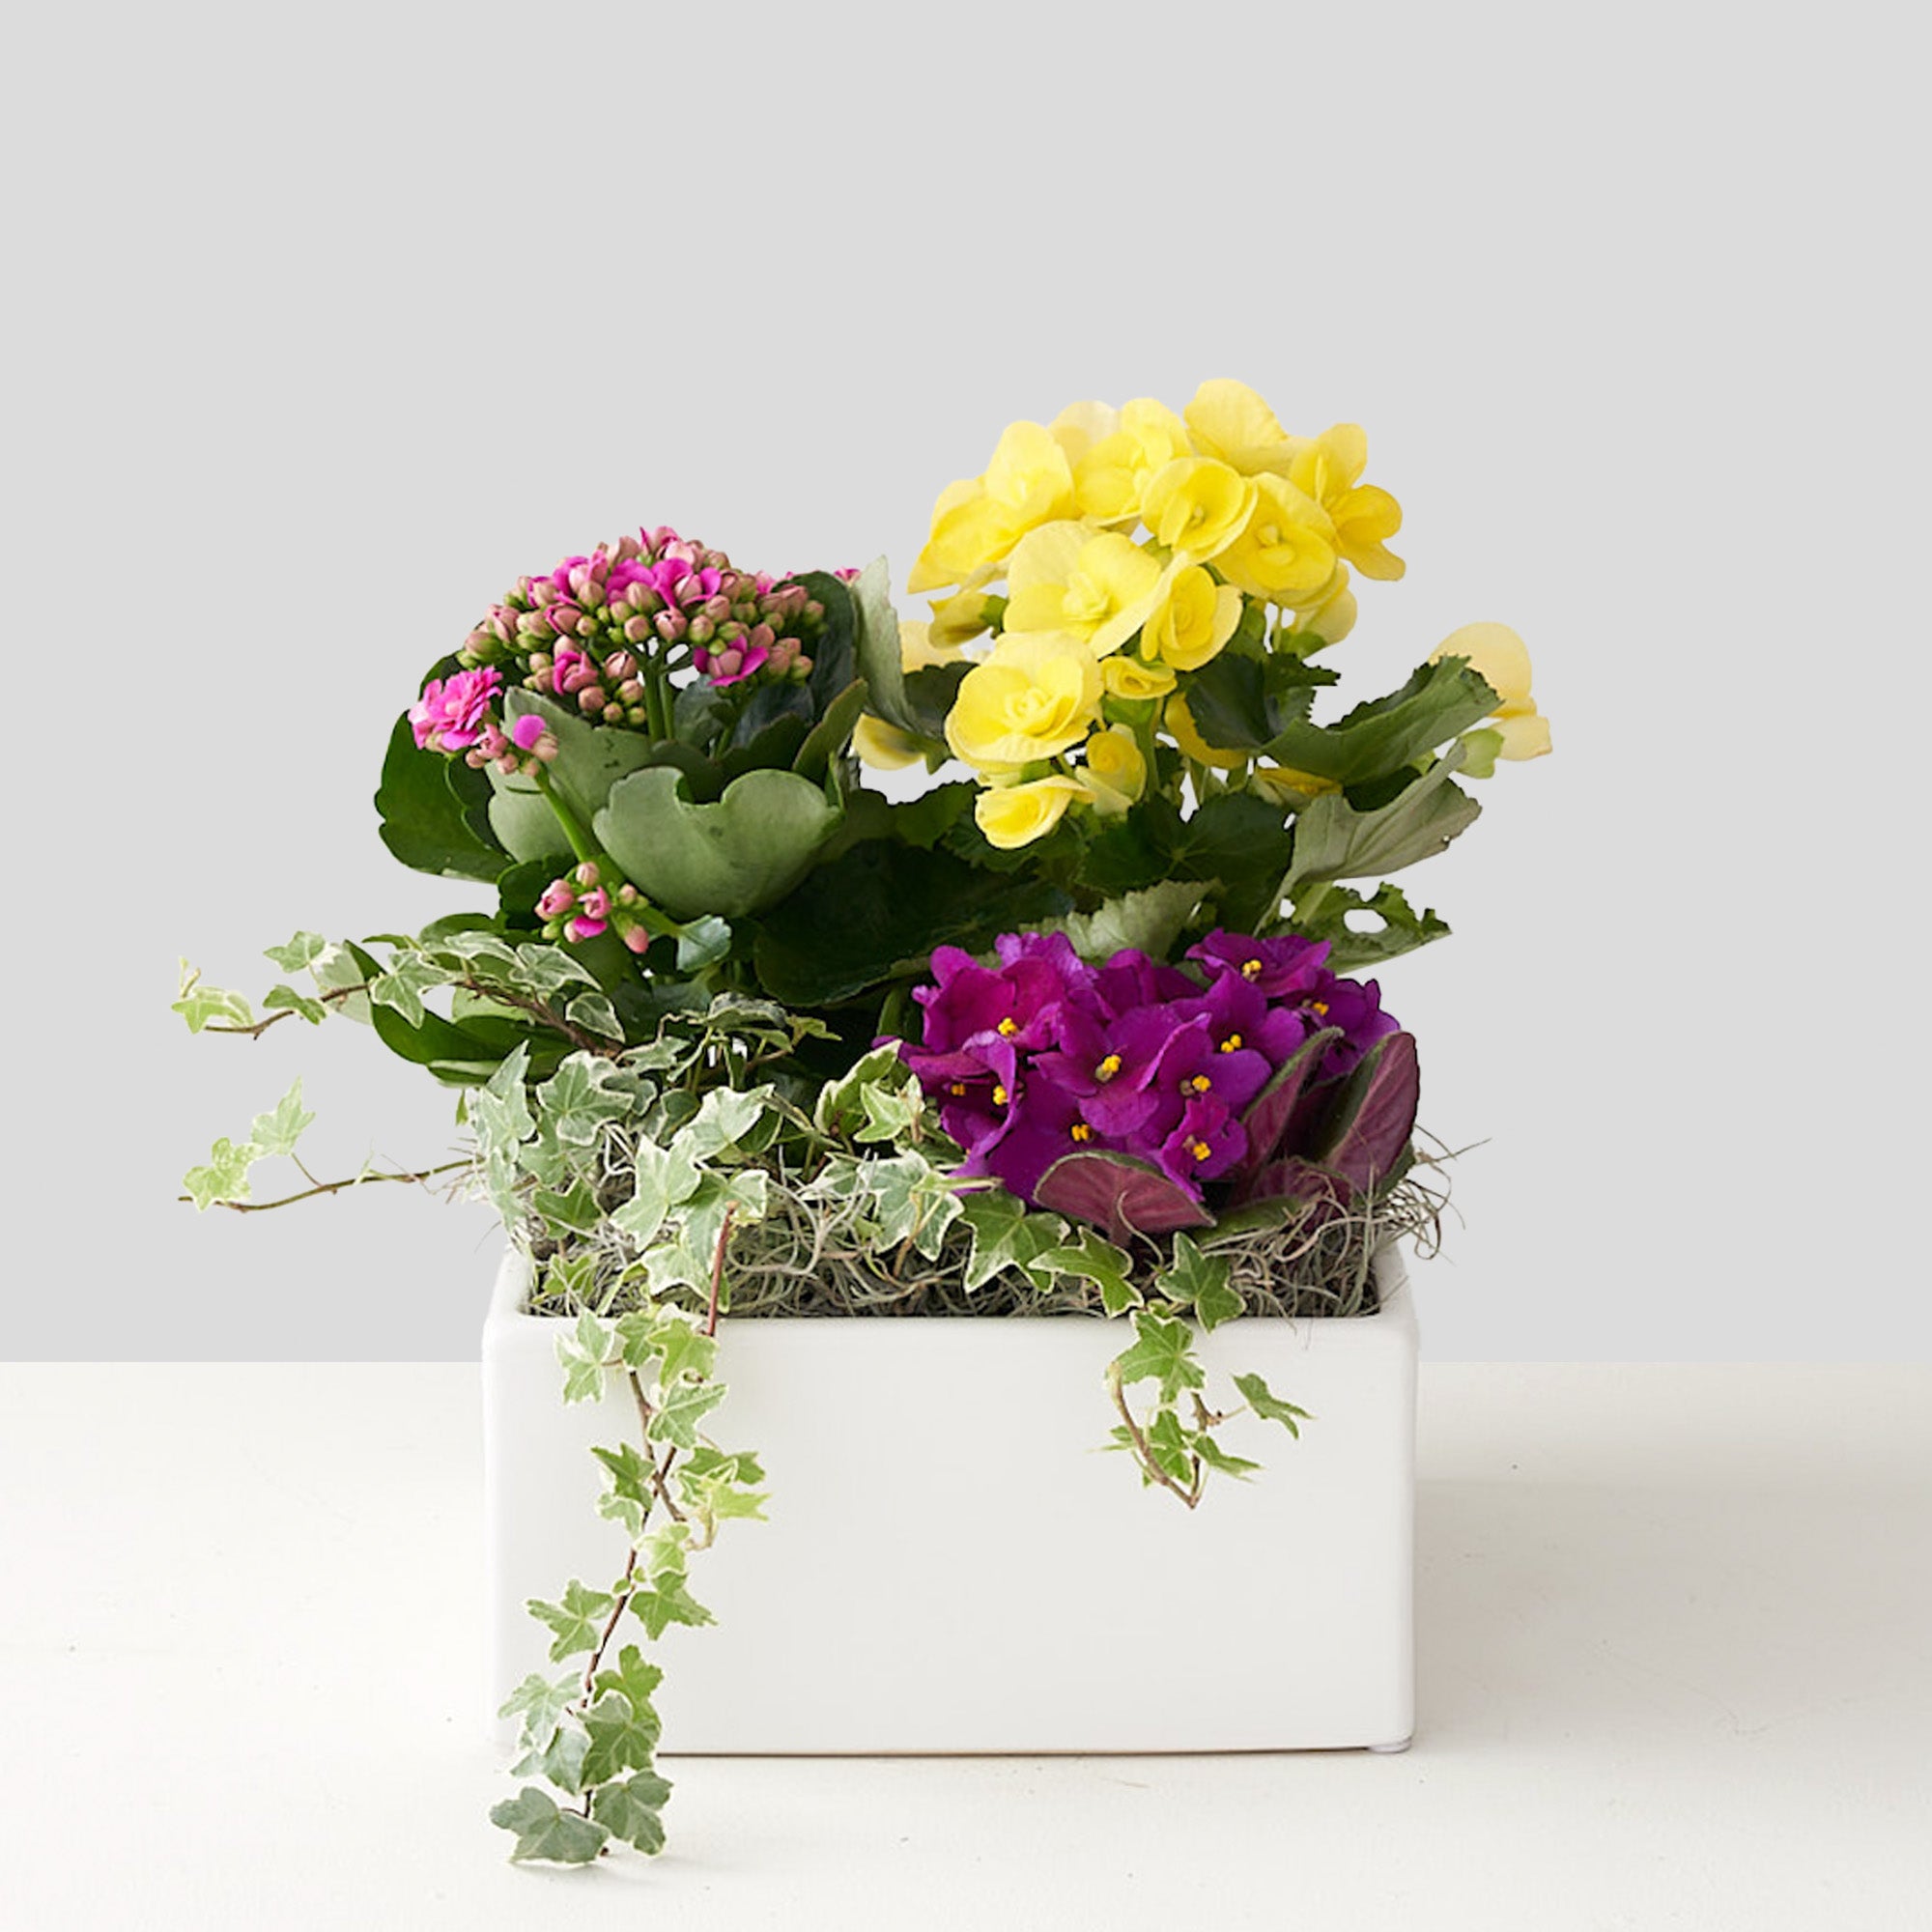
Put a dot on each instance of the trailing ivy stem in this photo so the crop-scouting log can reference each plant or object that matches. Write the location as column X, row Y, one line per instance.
column 659, row 1471
column 332, row 1187
column 260, row 1026
column 1144, row 1450
column 580, row 839
column 718, row 1275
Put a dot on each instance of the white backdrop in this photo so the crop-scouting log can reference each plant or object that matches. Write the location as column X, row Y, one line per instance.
column 327, row 323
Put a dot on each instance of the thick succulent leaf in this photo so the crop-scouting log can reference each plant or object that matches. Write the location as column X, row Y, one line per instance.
column 1120, row 1194
column 1268, row 1117
column 434, row 810
column 743, row 853
column 1367, row 1131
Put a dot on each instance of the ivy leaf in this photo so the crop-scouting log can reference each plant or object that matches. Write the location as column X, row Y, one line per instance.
column 1269, row 1406
column 1202, row 1442
column 1201, row 1281
column 402, row 988
column 718, row 1485
column 584, row 1351
column 913, row 1201
column 562, row 1760
column 1095, row 1260
column 629, row 1810
column 664, row 1600
column 686, row 1348
column 543, row 1832
column 893, row 1113
column 665, row 1178
column 637, row 1336
column 841, row 1108
column 279, row 999
column 300, row 953
column 202, row 1005
column 1162, row 1351
column 635, row 1678
column 577, row 1620
column 629, row 1498
column 540, row 1701
column 1004, row 1236
column 723, row 1118
column 619, row 1738
column 278, row 1131
column 225, row 1177
column 593, row 1012
column 683, row 1405
column 1168, row 1445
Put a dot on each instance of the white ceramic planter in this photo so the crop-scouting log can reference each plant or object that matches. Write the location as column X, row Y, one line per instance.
column 908, row 1594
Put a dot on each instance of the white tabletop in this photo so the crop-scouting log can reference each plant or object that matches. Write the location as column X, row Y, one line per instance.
column 1675, row 1668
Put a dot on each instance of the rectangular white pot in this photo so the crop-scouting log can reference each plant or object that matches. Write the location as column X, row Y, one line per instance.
column 912, row 1591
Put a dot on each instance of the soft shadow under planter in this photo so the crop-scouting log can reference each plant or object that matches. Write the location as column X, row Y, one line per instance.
column 918, row 1588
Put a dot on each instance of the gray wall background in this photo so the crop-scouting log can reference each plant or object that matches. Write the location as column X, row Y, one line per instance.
column 327, row 323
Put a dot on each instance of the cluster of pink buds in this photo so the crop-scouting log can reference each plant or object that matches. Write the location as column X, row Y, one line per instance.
column 584, row 631
column 579, row 905
column 529, row 742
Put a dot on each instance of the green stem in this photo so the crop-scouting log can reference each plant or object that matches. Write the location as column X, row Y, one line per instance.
column 580, row 839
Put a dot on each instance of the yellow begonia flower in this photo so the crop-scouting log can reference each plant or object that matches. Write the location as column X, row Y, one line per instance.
column 1179, row 722
column 1331, row 616
column 1079, row 426
column 1015, row 816
column 1284, row 553
column 1130, row 676
column 883, row 747
column 1098, row 585
column 977, row 523
column 1229, row 422
column 1501, row 659
column 1116, row 771
column 1285, row 786
column 1197, row 506
column 1328, row 467
column 1194, row 620
column 960, row 618
column 1033, row 699
column 1110, row 480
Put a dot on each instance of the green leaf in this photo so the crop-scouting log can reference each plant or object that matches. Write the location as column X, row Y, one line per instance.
column 840, row 1108
column 663, row 1599
column 286, row 998
column 1168, row 1443
column 1334, row 841
column 1200, row 1281
column 593, row 1012
column 682, row 1406
column 1004, row 1236
column 723, row 1118
column 584, row 1352
column 278, row 1131
column 1325, row 915
column 434, row 810
column 635, row 1678
column 880, row 662
column 301, row 952
column 629, row 1810
column 1268, row 1406
column 202, row 1005
column 911, row 1201
column 621, row 1737
column 1437, row 702
column 225, row 1177
column 1095, row 1258
column 703, row 943
column 562, row 1760
column 632, row 1475
column 1162, row 1351
column 402, row 988
column 577, row 1620
column 743, row 853
column 590, row 760
column 540, row 1701
column 1202, row 1442
column 1147, row 920
column 684, row 1346
column 545, row 1832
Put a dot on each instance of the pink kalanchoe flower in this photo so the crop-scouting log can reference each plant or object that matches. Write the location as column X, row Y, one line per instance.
column 596, row 904
column 526, row 731
column 558, row 899
column 571, row 670
column 585, row 928
column 452, row 713
column 732, row 665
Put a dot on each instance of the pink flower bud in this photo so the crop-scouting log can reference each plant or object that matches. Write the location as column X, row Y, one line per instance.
column 526, row 731
column 670, row 626
column 631, row 692
column 627, row 894
column 702, row 630
column 636, row 939
column 590, row 699
column 595, row 904
column 619, row 666
column 587, row 875
column 558, row 899
column 583, row 928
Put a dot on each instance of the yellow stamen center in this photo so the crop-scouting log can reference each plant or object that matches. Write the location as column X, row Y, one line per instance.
column 1200, row 1084
column 1251, row 969
column 1200, row 1150
column 1232, row 1045
column 1081, row 1131
column 1319, row 1007
column 1107, row 1068
column 958, row 1087
column 1008, row 1027
column 1000, row 1096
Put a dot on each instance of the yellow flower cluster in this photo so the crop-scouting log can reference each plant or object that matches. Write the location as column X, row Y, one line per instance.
column 1133, row 543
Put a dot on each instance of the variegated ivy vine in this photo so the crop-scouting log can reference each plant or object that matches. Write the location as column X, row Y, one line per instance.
column 655, row 1188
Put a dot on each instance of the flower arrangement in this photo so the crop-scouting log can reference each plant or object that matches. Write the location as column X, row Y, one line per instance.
column 1082, row 1031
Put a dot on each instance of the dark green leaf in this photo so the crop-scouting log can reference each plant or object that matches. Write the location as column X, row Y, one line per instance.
column 434, row 810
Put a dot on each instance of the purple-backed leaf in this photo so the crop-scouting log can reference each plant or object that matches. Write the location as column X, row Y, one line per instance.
column 1292, row 1185
column 1368, row 1128
column 1118, row 1193
column 1268, row 1114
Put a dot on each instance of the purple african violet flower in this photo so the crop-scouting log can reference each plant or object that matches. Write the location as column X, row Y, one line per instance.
column 1017, row 1001
column 1279, row 968
column 1206, row 1141
column 1355, row 1007
column 452, row 713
